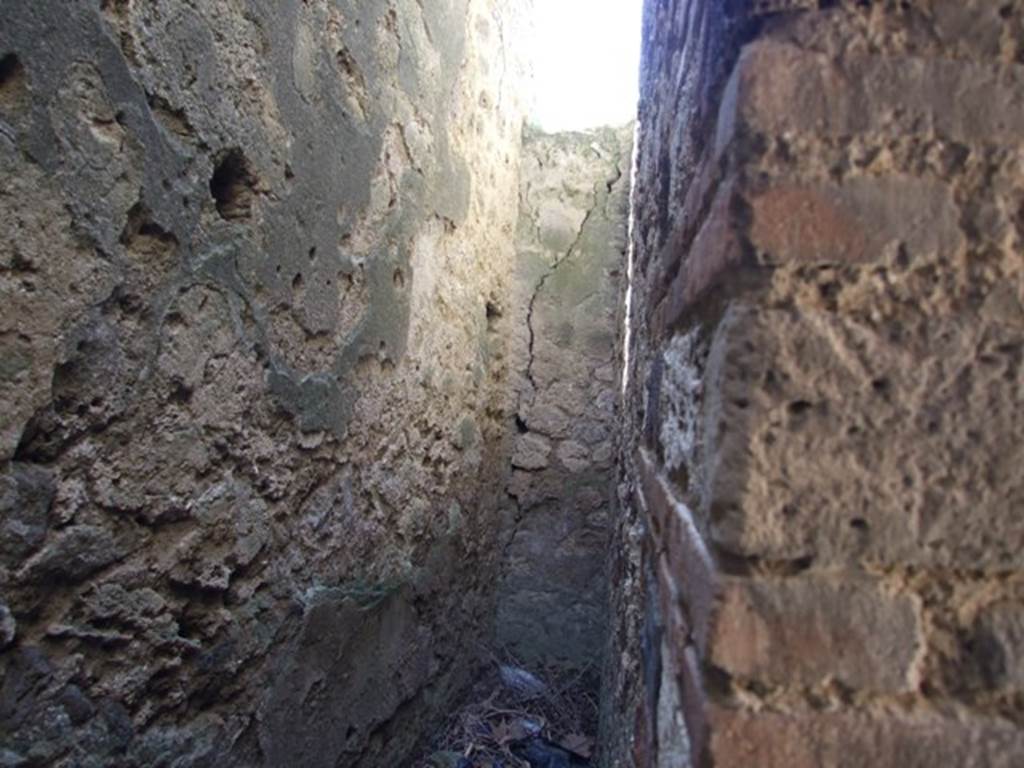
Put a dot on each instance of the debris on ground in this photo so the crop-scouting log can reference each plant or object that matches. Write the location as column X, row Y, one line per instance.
column 521, row 682
column 541, row 753
column 520, row 718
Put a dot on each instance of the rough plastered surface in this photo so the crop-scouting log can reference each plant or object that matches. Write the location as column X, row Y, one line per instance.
column 250, row 398
column 823, row 477
column 553, row 600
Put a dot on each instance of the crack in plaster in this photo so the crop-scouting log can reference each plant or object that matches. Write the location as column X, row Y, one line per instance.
column 597, row 203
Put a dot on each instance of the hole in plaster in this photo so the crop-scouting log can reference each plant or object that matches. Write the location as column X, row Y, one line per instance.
column 355, row 83
column 680, row 477
column 399, row 279
column 801, row 564
column 233, row 185
column 12, row 79
column 799, row 407
column 492, row 313
column 179, row 394
column 828, row 290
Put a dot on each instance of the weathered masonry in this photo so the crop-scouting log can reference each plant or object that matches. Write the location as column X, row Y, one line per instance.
column 324, row 378
column 253, row 406
column 822, row 462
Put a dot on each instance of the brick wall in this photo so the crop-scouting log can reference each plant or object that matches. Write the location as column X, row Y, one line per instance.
column 821, row 547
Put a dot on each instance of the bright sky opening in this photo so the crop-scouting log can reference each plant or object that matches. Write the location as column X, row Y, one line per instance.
column 587, row 58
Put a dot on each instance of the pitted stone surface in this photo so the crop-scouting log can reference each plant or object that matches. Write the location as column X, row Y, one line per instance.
column 251, row 389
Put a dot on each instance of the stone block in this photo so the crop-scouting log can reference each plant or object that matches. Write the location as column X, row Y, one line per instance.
column 573, row 455
column 548, row 419
column 856, row 221
column 850, row 739
column 807, row 630
column 833, row 443
column 778, row 88
column 531, row 452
